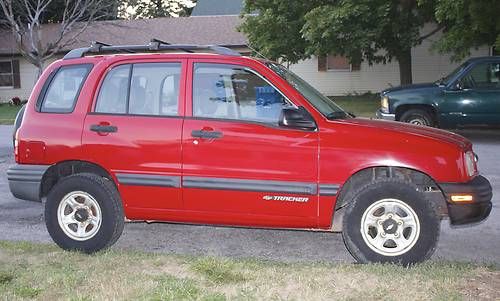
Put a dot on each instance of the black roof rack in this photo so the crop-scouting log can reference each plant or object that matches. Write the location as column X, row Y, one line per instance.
column 154, row 45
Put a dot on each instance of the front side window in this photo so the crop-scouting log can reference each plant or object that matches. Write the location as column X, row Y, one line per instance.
column 483, row 76
column 141, row 89
column 64, row 88
column 234, row 92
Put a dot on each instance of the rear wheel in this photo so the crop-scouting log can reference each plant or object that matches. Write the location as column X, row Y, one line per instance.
column 84, row 212
column 390, row 221
column 418, row 117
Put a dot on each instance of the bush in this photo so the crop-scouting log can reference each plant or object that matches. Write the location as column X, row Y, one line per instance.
column 15, row 101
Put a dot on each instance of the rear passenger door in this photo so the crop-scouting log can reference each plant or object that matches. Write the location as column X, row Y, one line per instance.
column 239, row 165
column 134, row 131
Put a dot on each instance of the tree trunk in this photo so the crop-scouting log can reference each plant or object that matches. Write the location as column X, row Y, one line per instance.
column 405, row 70
column 39, row 67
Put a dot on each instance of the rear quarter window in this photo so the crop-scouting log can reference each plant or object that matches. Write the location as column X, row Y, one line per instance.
column 63, row 89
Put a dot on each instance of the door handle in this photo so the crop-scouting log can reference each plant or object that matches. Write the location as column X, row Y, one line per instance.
column 206, row 134
column 100, row 128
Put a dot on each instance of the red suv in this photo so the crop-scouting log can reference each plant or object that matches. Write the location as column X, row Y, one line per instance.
column 217, row 138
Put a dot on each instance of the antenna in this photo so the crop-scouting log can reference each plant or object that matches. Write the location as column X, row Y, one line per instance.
column 258, row 53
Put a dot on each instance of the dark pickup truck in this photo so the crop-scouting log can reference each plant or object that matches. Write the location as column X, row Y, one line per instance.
column 469, row 96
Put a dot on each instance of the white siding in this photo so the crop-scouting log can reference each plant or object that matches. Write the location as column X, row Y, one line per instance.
column 427, row 66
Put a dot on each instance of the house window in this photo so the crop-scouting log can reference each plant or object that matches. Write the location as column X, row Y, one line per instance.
column 9, row 74
column 336, row 63
column 6, row 74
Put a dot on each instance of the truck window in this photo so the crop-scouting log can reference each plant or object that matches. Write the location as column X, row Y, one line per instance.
column 64, row 88
column 483, row 76
column 141, row 89
column 112, row 97
column 154, row 89
column 233, row 92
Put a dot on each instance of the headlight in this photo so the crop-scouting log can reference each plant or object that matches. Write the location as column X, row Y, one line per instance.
column 470, row 163
column 384, row 104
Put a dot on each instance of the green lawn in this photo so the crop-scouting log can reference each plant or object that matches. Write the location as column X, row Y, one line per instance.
column 8, row 113
column 360, row 105
column 45, row 272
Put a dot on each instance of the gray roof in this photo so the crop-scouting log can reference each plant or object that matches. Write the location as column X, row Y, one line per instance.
column 217, row 7
column 219, row 30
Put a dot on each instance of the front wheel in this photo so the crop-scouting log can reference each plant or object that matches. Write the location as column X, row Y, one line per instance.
column 390, row 221
column 84, row 212
column 418, row 117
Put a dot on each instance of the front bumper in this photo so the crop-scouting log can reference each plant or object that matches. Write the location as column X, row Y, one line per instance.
column 25, row 181
column 462, row 213
column 386, row 116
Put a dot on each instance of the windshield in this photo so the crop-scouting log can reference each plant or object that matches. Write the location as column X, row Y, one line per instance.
column 446, row 80
column 322, row 103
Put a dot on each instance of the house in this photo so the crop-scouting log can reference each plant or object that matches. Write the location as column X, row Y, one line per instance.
column 335, row 76
column 216, row 22
column 18, row 76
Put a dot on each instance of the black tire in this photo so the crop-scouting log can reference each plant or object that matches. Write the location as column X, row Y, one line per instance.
column 108, row 199
column 429, row 222
column 418, row 117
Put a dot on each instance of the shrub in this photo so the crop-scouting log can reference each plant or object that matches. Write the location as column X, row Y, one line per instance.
column 15, row 101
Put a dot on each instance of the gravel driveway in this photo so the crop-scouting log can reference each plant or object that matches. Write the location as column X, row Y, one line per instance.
column 22, row 220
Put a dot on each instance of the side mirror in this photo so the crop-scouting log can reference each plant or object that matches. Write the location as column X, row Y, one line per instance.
column 458, row 86
column 297, row 119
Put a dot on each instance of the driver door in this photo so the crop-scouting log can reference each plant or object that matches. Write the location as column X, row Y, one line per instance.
column 238, row 164
column 477, row 96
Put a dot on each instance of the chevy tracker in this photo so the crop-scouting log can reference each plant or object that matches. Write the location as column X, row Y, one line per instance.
column 172, row 133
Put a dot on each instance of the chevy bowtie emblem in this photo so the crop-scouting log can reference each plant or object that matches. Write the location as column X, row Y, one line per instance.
column 285, row 198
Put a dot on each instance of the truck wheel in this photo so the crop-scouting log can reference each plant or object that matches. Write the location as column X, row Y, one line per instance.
column 390, row 221
column 84, row 212
column 418, row 117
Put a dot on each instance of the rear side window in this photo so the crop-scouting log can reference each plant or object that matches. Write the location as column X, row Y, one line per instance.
column 141, row 89
column 113, row 94
column 64, row 88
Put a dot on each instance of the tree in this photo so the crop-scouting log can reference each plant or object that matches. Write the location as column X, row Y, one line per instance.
column 26, row 20
column 467, row 24
column 55, row 10
column 146, row 9
column 276, row 30
column 373, row 30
